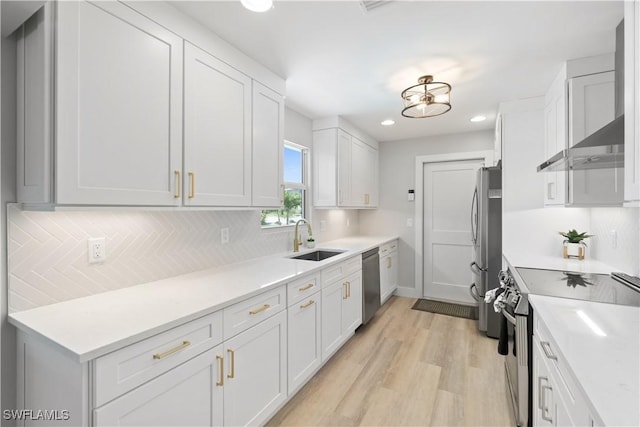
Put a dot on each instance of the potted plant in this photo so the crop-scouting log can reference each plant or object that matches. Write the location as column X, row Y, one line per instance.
column 574, row 245
column 311, row 242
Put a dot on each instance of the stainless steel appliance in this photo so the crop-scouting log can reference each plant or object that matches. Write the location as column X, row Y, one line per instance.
column 370, row 284
column 486, row 234
column 519, row 283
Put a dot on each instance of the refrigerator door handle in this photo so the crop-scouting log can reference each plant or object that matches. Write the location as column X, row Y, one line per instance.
column 473, row 290
column 476, row 269
column 474, row 217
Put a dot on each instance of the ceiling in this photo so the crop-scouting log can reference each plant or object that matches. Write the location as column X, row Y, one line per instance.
column 338, row 59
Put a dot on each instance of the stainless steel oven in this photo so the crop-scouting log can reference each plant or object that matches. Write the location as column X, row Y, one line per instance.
column 517, row 315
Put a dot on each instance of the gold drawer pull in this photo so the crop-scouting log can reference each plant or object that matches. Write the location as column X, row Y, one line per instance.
column 348, row 289
column 220, row 360
column 304, row 288
column 346, row 295
column 182, row 346
column 259, row 310
column 389, row 262
column 311, row 302
column 192, row 185
column 178, row 193
column 393, row 247
column 232, row 374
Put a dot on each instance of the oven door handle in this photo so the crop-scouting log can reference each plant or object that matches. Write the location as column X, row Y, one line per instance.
column 509, row 317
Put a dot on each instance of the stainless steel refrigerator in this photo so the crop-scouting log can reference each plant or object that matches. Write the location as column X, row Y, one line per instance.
column 486, row 234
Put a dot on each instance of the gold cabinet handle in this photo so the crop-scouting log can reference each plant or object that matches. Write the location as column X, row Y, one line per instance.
column 182, row 346
column 178, row 192
column 192, row 185
column 366, row 198
column 310, row 303
column 220, row 360
column 305, row 287
column 259, row 310
column 232, row 364
column 389, row 262
column 393, row 247
column 344, row 285
column 348, row 289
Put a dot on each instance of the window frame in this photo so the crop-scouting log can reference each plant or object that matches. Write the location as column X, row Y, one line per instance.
column 304, row 186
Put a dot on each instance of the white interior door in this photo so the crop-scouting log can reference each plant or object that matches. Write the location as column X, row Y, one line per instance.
column 448, row 248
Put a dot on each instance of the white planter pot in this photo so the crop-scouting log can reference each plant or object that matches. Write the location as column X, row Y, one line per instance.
column 574, row 250
column 311, row 245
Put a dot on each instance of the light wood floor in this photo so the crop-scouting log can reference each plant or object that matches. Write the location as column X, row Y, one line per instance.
column 407, row 367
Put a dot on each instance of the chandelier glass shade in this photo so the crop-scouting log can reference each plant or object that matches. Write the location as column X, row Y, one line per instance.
column 426, row 99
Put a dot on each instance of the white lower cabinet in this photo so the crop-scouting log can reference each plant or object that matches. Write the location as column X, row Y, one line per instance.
column 185, row 396
column 304, row 340
column 255, row 382
column 341, row 312
column 557, row 399
column 388, row 270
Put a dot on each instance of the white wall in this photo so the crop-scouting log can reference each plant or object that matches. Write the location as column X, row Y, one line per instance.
column 622, row 252
column 397, row 176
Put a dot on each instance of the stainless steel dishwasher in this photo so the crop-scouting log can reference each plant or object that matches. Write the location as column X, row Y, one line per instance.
column 370, row 284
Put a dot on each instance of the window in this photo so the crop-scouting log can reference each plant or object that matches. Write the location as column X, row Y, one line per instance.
column 295, row 189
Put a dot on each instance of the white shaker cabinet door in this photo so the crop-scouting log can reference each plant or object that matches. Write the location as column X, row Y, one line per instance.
column 188, row 395
column 256, row 372
column 217, row 132
column 332, row 297
column 118, row 107
column 591, row 106
column 267, row 146
column 305, row 343
column 632, row 101
column 352, row 305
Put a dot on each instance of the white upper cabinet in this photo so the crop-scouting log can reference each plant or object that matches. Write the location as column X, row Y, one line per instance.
column 118, row 107
column 555, row 127
column 592, row 106
column 217, row 132
column 141, row 117
column 632, row 102
column 267, row 147
column 345, row 172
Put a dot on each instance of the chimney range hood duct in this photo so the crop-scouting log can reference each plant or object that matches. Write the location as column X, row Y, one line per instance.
column 603, row 149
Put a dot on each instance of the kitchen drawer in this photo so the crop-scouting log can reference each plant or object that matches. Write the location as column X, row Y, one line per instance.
column 122, row 370
column 567, row 388
column 245, row 314
column 302, row 288
column 387, row 248
column 338, row 271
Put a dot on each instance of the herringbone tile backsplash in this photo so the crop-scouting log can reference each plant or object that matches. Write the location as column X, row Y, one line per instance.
column 48, row 250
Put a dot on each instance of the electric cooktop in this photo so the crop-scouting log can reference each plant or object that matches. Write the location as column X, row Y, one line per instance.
column 582, row 286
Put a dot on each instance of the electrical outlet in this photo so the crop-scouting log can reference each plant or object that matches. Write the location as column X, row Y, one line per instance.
column 224, row 235
column 97, row 249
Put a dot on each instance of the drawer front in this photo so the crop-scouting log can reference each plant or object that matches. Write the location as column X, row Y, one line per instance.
column 387, row 248
column 122, row 370
column 245, row 314
column 302, row 288
column 338, row 271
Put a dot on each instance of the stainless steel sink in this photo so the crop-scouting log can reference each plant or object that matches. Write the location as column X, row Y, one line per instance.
column 318, row 255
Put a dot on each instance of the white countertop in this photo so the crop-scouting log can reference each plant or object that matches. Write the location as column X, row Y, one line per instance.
column 92, row 326
column 607, row 368
column 532, row 260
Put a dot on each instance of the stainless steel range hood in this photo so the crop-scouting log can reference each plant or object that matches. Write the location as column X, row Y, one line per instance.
column 603, row 149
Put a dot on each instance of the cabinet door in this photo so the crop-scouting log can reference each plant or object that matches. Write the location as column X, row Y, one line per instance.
column 544, row 407
column 188, row 395
column 352, row 305
column 325, row 174
column 118, row 107
column 371, row 195
column 632, row 101
column 591, row 106
column 217, row 132
column 555, row 141
column 359, row 173
column 256, row 379
column 332, row 297
column 345, row 197
column 304, row 342
column 267, row 146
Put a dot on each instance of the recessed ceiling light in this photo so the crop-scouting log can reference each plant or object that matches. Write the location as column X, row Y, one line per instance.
column 257, row 5
column 476, row 119
column 387, row 122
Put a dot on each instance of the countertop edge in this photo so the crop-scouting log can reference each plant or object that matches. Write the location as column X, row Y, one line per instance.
column 21, row 320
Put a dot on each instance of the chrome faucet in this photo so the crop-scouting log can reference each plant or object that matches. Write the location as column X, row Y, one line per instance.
column 296, row 238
